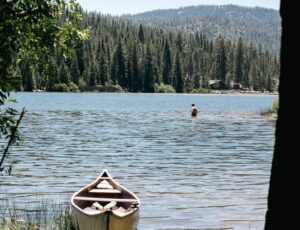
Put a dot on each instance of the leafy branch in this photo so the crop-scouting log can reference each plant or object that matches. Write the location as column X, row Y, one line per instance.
column 9, row 127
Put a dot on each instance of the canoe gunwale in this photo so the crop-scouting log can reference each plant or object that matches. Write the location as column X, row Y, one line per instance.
column 105, row 212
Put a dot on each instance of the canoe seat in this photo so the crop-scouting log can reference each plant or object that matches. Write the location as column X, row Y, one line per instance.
column 121, row 211
column 110, row 205
column 104, row 199
column 104, row 185
column 98, row 206
column 89, row 210
column 106, row 191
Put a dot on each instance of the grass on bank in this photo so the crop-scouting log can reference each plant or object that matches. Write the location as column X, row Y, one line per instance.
column 272, row 112
column 43, row 216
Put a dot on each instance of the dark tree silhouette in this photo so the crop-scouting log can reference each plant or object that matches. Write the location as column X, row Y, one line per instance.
column 283, row 194
column 141, row 34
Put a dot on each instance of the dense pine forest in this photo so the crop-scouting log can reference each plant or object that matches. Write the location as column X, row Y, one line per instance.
column 122, row 56
column 253, row 24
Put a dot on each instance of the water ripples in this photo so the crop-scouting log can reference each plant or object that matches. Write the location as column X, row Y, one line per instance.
column 206, row 172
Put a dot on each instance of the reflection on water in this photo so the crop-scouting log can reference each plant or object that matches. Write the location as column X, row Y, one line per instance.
column 211, row 171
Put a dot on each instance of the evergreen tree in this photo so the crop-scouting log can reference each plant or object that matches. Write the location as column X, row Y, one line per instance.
column 149, row 72
column 103, row 65
column 137, row 81
column 167, row 64
column 190, row 65
column 85, row 79
column 156, row 73
column 80, row 54
column 93, row 74
column 129, row 75
column 238, row 62
column 28, row 77
column 119, row 67
column 269, row 83
column 158, row 61
column 52, row 74
column 220, row 60
column 179, row 42
column 230, row 68
column 254, row 77
column 196, row 72
column 74, row 70
column 64, row 73
column 141, row 34
column 248, row 58
column 178, row 74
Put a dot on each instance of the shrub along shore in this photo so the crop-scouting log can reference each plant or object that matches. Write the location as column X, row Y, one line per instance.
column 272, row 112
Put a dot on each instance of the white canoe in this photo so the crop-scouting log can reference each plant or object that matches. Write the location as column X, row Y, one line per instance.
column 104, row 205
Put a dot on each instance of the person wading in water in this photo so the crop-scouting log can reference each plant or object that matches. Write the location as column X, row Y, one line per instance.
column 194, row 110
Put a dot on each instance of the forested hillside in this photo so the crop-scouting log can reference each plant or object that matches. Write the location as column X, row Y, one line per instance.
column 256, row 25
column 124, row 56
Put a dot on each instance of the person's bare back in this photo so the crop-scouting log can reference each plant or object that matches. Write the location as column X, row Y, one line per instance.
column 194, row 110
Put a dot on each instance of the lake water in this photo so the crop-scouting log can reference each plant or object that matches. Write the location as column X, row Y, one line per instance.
column 211, row 171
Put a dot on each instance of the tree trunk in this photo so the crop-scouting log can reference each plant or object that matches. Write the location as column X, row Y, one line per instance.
column 282, row 205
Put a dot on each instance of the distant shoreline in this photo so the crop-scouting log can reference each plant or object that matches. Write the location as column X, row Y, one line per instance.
column 213, row 92
column 240, row 92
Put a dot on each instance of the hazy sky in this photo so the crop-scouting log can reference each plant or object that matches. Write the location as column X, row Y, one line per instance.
column 119, row 7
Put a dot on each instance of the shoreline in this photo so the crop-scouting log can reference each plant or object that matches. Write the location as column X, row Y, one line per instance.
column 213, row 92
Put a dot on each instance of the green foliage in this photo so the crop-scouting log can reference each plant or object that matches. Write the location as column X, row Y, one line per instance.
column 178, row 75
column 141, row 34
column 9, row 132
column 73, row 87
column 273, row 110
column 119, row 74
column 167, row 63
column 61, row 87
column 82, row 85
column 149, row 71
column 275, row 106
column 109, row 88
column 162, row 88
column 30, row 33
column 202, row 90
column 64, row 74
column 239, row 62
column 220, row 60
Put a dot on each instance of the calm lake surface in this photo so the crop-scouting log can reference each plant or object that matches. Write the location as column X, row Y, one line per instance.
column 211, row 171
